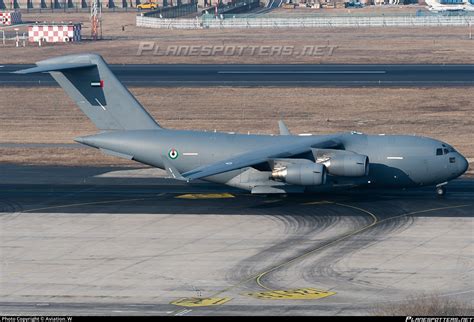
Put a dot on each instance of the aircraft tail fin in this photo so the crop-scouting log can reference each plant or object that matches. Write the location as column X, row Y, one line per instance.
column 87, row 79
column 283, row 128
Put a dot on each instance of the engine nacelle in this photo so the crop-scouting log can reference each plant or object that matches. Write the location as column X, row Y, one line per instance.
column 304, row 174
column 347, row 164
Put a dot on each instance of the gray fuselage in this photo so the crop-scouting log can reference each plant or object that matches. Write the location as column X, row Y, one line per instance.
column 395, row 160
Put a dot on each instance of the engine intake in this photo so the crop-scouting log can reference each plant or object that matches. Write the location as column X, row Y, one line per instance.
column 306, row 174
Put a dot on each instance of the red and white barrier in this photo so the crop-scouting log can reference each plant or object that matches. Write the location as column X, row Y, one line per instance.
column 8, row 18
column 54, row 33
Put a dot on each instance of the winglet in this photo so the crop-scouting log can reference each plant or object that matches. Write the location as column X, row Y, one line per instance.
column 172, row 171
column 283, row 128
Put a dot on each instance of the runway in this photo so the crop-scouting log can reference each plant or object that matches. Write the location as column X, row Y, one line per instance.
column 268, row 75
column 168, row 248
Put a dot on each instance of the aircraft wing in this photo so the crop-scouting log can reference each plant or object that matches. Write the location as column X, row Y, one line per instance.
column 254, row 157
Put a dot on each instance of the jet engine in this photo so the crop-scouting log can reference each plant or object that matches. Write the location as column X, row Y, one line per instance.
column 345, row 163
column 304, row 174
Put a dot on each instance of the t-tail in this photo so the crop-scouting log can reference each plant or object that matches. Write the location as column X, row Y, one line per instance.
column 87, row 79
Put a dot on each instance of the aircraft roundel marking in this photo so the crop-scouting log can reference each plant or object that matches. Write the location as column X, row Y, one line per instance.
column 173, row 153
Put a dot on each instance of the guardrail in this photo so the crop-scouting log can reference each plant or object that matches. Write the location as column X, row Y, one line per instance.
column 173, row 12
column 13, row 39
column 234, row 7
column 314, row 22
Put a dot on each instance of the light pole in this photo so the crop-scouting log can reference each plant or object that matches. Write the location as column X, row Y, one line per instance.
column 17, row 37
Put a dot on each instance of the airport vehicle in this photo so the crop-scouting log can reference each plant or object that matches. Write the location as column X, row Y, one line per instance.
column 261, row 164
column 353, row 4
column 147, row 5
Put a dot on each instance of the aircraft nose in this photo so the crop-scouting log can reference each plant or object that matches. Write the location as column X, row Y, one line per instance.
column 463, row 164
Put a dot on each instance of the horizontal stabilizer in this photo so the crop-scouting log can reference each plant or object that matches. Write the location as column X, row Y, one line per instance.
column 53, row 68
column 116, row 154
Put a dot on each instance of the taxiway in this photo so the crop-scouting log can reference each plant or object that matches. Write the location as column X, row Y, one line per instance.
column 153, row 246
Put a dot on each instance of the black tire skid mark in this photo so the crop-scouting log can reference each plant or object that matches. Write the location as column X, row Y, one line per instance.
column 323, row 269
column 281, row 278
column 391, row 222
column 393, row 291
column 302, row 223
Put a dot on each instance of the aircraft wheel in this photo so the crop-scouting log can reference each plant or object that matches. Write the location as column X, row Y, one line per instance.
column 440, row 191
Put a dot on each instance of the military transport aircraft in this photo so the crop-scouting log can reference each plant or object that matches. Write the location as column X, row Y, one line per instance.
column 261, row 164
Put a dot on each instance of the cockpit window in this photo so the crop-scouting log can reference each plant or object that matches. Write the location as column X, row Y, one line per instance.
column 445, row 151
column 448, row 147
column 439, row 151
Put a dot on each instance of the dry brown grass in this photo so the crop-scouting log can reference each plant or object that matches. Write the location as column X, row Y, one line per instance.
column 426, row 305
column 47, row 115
column 354, row 45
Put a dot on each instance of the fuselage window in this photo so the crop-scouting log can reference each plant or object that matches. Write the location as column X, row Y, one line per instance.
column 439, row 151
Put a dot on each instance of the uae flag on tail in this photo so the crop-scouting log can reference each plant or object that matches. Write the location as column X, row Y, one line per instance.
column 97, row 84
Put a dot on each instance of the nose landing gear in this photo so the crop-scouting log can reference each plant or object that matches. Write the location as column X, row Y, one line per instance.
column 441, row 189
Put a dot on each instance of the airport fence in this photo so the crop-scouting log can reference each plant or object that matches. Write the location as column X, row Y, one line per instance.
column 208, row 21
